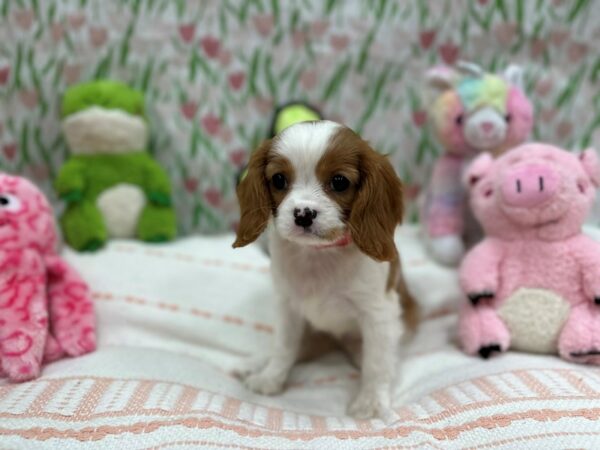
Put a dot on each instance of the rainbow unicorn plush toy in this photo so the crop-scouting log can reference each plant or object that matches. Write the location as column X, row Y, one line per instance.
column 473, row 112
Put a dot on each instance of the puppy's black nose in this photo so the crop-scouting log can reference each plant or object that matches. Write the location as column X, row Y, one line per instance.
column 304, row 218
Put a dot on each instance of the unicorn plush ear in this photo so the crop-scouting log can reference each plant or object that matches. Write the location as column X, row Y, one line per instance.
column 441, row 77
column 514, row 75
column 470, row 69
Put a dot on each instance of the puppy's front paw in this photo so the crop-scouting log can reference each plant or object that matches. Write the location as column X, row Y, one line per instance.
column 249, row 366
column 265, row 383
column 369, row 404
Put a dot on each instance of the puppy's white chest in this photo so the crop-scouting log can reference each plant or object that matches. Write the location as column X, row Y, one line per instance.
column 334, row 315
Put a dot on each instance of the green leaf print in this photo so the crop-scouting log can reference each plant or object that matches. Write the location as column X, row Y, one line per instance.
column 335, row 82
column 571, row 88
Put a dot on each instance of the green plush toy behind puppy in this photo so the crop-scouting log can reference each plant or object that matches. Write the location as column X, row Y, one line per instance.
column 112, row 186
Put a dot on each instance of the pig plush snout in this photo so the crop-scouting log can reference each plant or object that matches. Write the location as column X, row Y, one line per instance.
column 529, row 185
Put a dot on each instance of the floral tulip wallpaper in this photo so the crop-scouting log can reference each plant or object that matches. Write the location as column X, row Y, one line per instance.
column 213, row 71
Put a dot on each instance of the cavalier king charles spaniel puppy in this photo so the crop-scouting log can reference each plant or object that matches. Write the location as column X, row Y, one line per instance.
column 331, row 205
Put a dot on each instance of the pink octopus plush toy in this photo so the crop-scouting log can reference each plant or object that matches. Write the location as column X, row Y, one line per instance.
column 45, row 308
column 533, row 283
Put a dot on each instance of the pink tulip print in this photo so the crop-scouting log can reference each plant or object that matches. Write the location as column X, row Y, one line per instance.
column 98, row 36
column 236, row 80
column 211, row 124
column 72, row 73
column 449, row 53
column 238, row 157
column 419, row 118
column 213, row 75
column 191, row 184
column 187, row 32
column 211, row 46
column 319, row 27
column 4, row 75
column 76, row 20
column 339, row 42
column 426, row 38
column 24, row 18
column 212, row 197
column 188, row 109
column 263, row 24
column 29, row 98
column 9, row 150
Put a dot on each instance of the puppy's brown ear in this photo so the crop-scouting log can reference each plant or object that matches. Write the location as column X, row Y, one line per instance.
column 254, row 197
column 378, row 207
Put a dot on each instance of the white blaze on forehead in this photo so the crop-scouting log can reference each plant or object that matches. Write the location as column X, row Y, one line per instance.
column 304, row 144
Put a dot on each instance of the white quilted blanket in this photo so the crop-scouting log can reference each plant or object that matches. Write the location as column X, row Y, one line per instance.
column 174, row 320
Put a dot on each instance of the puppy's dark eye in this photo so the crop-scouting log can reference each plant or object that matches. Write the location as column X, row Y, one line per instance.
column 279, row 181
column 340, row 183
column 508, row 118
column 4, row 200
column 459, row 119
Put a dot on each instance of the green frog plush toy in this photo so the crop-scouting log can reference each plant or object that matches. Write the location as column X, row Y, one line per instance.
column 111, row 184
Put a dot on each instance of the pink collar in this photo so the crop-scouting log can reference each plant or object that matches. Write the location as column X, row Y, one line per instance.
column 345, row 240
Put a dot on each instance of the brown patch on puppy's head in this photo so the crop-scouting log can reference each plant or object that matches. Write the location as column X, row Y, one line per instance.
column 258, row 194
column 372, row 203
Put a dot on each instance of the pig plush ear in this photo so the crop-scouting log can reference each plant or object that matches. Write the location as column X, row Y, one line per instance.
column 591, row 165
column 477, row 170
column 441, row 77
column 514, row 75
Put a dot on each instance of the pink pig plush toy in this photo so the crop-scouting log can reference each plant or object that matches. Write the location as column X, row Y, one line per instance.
column 533, row 283
column 45, row 308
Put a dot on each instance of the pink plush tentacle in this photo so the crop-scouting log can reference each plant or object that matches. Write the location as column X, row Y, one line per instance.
column 23, row 313
column 443, row 211
column 72, row 318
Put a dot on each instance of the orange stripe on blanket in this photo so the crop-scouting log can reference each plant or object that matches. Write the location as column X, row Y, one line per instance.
column 139, row 301
column 420, row 445
column 534, row 437
column 318, row 423
column 185, row 401
column 190, row 258
column 38, row 405
column 577, row 382
column 533, row 383
column 207, row 444
column 488, row 388
column 231, row 408
column 91, row 399
column 448, row 433
column 138, row 399
column 444, row 399
column 274, row 418
column 140, row 396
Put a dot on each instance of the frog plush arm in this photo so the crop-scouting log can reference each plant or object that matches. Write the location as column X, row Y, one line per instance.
column 156, row 183
column 70, row 182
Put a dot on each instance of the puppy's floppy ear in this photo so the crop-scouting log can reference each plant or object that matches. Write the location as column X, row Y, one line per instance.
column 378, row 207
column 254, row 197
